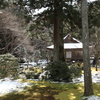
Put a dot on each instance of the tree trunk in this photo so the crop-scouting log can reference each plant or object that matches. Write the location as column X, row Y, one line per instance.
column 56, row 39
column 58, row 33
column 88, row 89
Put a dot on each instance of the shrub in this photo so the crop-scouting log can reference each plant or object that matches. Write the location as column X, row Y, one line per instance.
column 29, row 75
column 75, row 71
column 32, row 73
column 8, row 66
column 59, row 71
column 36, row 75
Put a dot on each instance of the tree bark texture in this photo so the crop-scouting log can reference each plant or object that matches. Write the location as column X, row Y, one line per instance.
column 58, row 32
column 88, row 89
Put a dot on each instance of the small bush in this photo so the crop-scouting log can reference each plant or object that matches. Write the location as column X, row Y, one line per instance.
column 8, row 66
column 59, row 71
column 32, row 74
column 28, row 76
column 28, row 73
column 36, row 75
column 75, row 71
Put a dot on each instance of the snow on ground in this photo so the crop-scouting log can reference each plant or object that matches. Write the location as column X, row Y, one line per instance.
column 91, row 98
column 7, row 85
column 95, row 78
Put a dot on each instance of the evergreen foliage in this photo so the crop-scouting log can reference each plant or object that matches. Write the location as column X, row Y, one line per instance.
column 75, row 71
column 3, row 4
column 94, row 14
column 59, row 71
column 69, row 13
column 8, row 66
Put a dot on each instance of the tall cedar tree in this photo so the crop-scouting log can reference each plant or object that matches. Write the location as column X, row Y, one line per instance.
column 58, row 32
column 55, row 7
column 88, row 89
column 57, row 12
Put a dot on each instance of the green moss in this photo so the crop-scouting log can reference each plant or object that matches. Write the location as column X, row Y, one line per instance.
column 42, row 90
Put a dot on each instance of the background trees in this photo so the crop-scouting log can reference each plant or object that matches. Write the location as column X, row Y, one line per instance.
column 94, row 22
column 3, row 4
column 12, row 34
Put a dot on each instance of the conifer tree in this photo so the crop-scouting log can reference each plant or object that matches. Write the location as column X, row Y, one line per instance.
column 57, row 11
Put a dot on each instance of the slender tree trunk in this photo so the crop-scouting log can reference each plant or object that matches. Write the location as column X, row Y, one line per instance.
column 58, row 32
column 96, row 60
column 88, row 89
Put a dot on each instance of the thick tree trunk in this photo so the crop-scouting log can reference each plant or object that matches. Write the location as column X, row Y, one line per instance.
column 61, row 46
column 88, row 89
column 58, row 33
column 56, row 39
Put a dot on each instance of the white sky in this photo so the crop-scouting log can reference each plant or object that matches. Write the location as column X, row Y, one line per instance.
column 39, row 10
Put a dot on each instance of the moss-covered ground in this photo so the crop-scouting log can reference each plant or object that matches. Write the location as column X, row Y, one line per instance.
column 51, row 91
column 41, row 90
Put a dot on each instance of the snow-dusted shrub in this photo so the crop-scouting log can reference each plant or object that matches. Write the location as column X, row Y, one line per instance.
column 32, row 73
column 8, row 66
column 59, row 71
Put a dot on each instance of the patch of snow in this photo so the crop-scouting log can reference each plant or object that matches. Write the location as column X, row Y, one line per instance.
column 43, row 62
column 69, row 46
column 33, row 63
column 95, row 78
column 44, row 74
column 93, row 97
column 7, row 85
column 91, row 0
